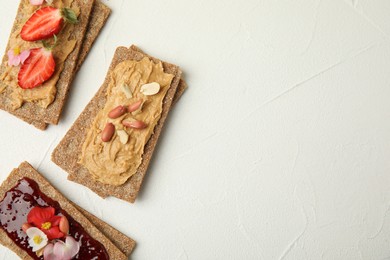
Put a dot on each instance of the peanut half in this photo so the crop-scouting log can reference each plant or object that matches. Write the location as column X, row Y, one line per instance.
column 108, row 132
column 150, row 89
column 135, row 106
column 123, row 136
column 136, row 124
column 117, row 112
column 127, row 91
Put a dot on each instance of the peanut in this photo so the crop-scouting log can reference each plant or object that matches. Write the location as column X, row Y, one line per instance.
column 108, row 132
column 117, row 112
column 150, row 89
column 135, row 106
column 137, row 124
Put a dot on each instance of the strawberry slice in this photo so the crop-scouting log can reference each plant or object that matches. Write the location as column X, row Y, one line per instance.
column 37, row 68
column 46, row 22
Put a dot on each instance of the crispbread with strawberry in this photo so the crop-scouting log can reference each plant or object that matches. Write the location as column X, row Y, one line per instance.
column 99, row 16
column 36, row 93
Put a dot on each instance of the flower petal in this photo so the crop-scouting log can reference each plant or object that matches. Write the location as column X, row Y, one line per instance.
column 16, row 61
column 36, row 2
column 36, row 232
column 67, row 250
column 24, row 55
column 48, row 253
column 55, row 221
column 12, row 59
column 10, row 53
column 31, row 232
column 53, row 233
column 38, row 215
column 72, row 245
column 59, row 249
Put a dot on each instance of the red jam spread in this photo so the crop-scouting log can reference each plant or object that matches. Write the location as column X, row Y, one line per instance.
column 26, row 195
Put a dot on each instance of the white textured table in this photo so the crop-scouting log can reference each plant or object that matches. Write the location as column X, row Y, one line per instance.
column 279, row 149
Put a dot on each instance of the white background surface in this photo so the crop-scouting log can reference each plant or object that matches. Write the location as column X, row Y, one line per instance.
column 278, row 150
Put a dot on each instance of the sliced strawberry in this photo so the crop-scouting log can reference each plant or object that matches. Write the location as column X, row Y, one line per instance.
column 43, row 24
column 46, row 22
column 37, row 68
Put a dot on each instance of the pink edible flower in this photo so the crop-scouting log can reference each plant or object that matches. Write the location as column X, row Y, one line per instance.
column 15, row 57
column 62, row 250
column 36, row 2
column 48, row 253
column 40, row 2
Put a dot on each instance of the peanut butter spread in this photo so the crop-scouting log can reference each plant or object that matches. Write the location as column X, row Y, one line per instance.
column 45, row 94
column 114, row 162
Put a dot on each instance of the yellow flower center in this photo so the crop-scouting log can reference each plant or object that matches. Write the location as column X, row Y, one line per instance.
column 17, row 51
column 46, row 225
column 37, row 239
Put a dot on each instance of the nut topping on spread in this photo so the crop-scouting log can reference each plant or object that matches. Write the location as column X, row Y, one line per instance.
column 150, row 89
column 123, row 136
column 108, row 132
column 136, row 107
column 116, row 157
column 127, row 91
column 117, row 112
column 136, row 124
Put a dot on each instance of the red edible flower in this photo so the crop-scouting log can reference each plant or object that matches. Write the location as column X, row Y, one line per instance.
column 45, row 220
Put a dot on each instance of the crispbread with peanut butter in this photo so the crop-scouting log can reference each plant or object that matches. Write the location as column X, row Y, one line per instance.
column 25, row 170
column 182, row 84
column 99, row 16
column 67, row 153
column 49, row 110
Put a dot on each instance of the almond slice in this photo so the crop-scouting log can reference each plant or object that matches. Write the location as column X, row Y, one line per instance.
column 127, row 91
column 150, row 89
column 123, row 136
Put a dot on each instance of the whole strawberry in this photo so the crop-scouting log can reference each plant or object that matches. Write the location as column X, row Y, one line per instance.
column 46, row 22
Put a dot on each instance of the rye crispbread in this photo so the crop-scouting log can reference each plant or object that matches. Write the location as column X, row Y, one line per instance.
column 66, row 154
column 120, row 240
column 182, row 84
column 51, row 114
column 26, row 170
column 99, row 16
